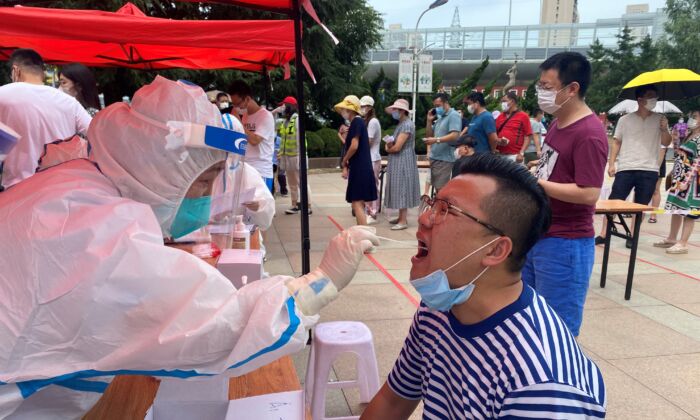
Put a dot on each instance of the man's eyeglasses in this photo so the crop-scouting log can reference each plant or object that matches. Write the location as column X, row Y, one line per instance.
column 439, row 208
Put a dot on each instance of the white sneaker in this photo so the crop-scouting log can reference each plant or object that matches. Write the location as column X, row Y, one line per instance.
column 371, row 220
column 399, row 226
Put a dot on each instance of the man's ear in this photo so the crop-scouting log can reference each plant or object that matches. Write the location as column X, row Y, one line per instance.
column 498, row 252
column 575, row 88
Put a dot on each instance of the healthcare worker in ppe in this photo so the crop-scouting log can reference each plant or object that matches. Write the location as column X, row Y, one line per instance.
column 90, row 291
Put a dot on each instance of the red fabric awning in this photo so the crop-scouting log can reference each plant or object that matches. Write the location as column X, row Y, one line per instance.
column 128, row 38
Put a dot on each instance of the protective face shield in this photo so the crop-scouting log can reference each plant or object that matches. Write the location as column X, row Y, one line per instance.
column 435, row 291
column 129, row 145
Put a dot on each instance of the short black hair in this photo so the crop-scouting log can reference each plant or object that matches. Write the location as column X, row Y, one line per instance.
column 240, row 88
column 519, row 206
column 220, row 94
column 466, row 140
column 27, row 58
column 537, row 111
column 572, row 67
column 640, row 91
column 512, row 95
column 476, row 97
column 443, row 97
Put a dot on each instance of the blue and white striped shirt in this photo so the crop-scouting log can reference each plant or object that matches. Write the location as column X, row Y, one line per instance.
column 522, row 362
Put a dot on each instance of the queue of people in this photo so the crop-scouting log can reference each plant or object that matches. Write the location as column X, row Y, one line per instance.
column 486, row 238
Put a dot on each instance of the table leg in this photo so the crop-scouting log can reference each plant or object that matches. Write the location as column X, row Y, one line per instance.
column 381, row 188
column 606, row 250
column 633, row 255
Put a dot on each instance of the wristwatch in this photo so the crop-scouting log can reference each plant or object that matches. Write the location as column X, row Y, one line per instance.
column 438, row 139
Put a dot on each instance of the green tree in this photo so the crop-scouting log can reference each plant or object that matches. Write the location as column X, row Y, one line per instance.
column 680, row 47
column 529, row 102
column 468, row 84
column 598, row 93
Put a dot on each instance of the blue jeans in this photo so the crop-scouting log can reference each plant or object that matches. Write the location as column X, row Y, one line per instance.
column 559, row 269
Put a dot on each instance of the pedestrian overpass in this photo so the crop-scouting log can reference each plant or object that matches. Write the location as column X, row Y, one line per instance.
column 457, row 51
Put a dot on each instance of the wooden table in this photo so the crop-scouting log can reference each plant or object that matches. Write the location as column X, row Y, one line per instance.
column 422, row 164
column 130, row 396
column 617, row 208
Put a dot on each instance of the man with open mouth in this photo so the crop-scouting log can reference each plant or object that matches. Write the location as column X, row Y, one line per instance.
column 483, row 344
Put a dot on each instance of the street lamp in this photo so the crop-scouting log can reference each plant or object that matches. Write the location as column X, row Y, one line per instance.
column 433, row 5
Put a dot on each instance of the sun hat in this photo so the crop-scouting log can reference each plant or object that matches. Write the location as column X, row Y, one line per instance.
column 367, row 101
column 400, row 104
column 350, row 102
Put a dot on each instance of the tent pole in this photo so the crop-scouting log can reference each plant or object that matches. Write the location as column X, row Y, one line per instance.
column 266, row 86
column 303, row 178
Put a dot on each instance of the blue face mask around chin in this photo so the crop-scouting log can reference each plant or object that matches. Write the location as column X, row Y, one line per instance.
column 192, row 215
column 435, row 291
column 440, row 111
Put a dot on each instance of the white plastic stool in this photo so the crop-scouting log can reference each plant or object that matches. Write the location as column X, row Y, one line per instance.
column 330, row 340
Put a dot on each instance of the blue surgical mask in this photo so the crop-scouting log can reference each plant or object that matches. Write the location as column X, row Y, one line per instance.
column 395, row 115
column 192, row 215
column 435, row 291
column 440, row 111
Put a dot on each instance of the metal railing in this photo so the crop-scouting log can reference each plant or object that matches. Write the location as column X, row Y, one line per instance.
column 524, row 42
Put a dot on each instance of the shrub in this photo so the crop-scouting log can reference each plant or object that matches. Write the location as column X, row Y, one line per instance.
column 331, row 142
column 421, row 148
column 314, row 143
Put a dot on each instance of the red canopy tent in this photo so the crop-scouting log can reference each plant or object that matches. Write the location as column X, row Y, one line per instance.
column 129, row 38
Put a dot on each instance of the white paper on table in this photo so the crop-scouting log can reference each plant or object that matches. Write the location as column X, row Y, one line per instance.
column 278, row 406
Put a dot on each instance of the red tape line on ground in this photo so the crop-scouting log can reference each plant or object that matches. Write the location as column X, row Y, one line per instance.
column 383, row 270
column 657, row 266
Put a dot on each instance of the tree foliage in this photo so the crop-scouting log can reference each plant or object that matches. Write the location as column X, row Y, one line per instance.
column 468, row 84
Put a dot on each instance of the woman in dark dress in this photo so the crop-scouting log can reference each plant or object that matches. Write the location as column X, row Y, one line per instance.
column 357, row 161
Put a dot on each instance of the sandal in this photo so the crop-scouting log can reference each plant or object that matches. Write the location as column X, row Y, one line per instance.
column 677, row 249
column 652, row 219
column 664, row 244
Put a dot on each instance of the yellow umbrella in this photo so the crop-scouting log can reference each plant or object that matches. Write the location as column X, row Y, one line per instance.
column 671, row 84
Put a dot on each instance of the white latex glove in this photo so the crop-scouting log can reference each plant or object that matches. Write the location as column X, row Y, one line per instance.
column 338, row 266
column 344, row 253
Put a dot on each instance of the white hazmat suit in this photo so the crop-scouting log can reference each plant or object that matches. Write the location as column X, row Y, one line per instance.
column 89, row 290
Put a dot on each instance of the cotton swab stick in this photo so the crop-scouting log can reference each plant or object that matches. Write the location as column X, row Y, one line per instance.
column 410, row 244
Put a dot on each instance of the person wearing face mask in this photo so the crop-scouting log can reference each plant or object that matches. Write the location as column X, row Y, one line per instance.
column 634, row 158
column 482, row 125
column 684, row 193
column 443, row 127
column 93, row 292
column 484, row 344
column 571, row 170
column 259, row 127
column 223, row 102
column 374, row 134
column 513, row 128
column 402, row 184
column 78, row 81
column 289, row 152
column 40, row 114
column 464, row 149
column 357, row 160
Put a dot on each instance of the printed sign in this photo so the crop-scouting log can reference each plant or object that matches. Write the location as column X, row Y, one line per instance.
column 405, row 72
column 425, row 73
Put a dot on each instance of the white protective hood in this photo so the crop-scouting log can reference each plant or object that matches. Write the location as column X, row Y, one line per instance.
column 128, row 145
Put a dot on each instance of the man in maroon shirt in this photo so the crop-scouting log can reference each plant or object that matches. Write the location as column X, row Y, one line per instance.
column 571, row 171
column 512, row 127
